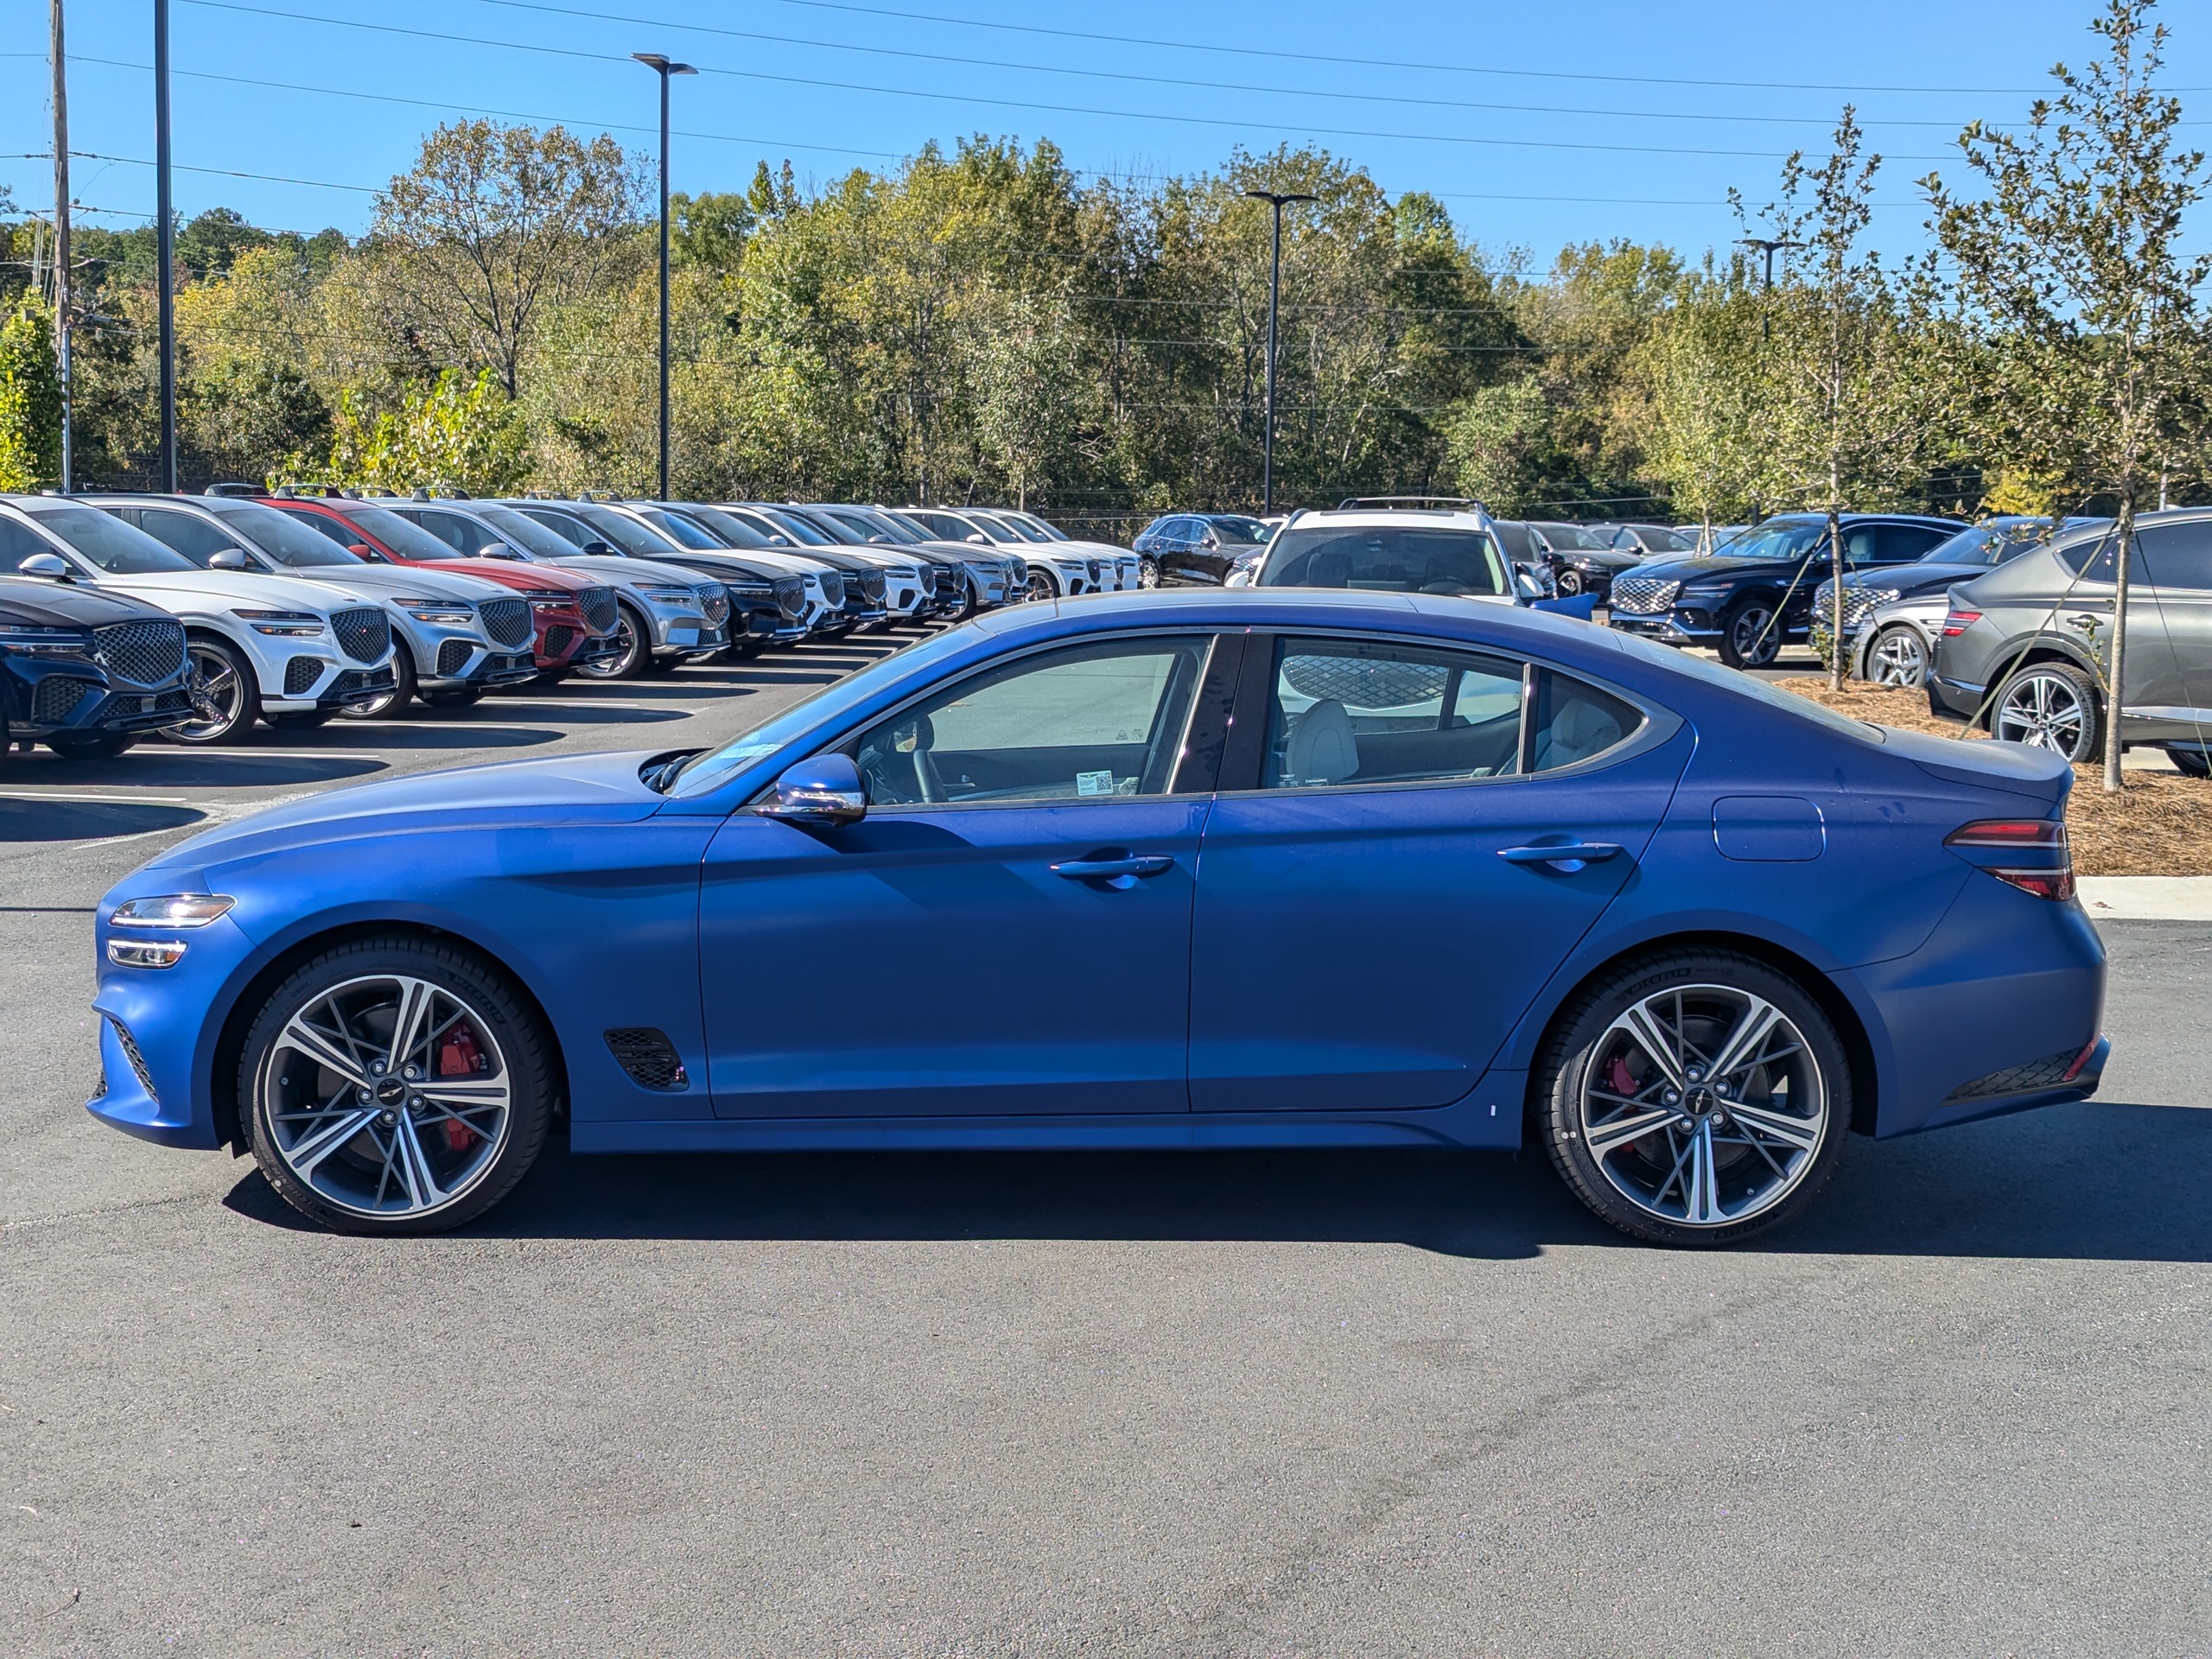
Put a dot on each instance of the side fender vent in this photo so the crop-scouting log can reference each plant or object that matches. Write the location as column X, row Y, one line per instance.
column 650, row 1059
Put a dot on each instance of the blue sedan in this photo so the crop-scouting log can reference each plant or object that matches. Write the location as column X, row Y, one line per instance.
column 1299, row 868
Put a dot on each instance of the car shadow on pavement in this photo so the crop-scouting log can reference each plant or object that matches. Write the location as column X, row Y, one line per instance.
column 2088, row 1182
column 24, row 820
column 175, row 768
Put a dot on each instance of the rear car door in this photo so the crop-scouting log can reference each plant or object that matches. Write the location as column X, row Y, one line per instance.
column 1409, row 838
column 2169, row 617
column 1007, row 932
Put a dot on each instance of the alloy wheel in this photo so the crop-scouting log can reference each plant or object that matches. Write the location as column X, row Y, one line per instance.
column 1752, row 637
column 387, row 1096
column 219, row 693
column 1147, row 572
column 1899, row 658
column 1041, row 586
column 1570, row 583
column 626, row 662
column 2043, row 711
column 1703, row 1106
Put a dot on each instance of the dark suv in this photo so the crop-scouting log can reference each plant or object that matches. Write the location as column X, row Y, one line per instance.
column 81, row 670
column 1756, row 595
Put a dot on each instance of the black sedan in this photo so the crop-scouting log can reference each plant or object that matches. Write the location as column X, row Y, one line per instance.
column 1583, row 559
column 1198, row 549
column 1755, row 595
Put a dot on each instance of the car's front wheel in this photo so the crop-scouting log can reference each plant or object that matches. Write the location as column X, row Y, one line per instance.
column 1041, row 585
column 2049, row 706
column 1898, row 658
column 1570, row 583
column 225, row 694
column 89, row 746
column 2193, row 763
column 1147, row 571
column 395, row 1085
column 1751, row 634
column 1695, row 1098
column 392, row 705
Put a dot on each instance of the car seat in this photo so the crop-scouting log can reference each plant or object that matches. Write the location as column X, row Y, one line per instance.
column 1322, row 747
column 1578, row 729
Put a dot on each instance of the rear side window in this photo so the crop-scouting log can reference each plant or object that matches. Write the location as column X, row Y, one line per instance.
column 1387, row 558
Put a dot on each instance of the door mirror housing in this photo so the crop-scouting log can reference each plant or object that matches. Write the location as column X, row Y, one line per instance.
column 979, row 538
column 825, row 790
column 599, row 549
column 51, row 566
column 229, row 558
column 363, row 550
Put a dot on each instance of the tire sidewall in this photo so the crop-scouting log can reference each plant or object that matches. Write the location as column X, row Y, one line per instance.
column 523, row 1041
column 1570, row 1051
column 2084, row 690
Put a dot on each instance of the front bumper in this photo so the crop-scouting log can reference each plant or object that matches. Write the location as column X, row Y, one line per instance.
column 1666, row 628
column 45, row 697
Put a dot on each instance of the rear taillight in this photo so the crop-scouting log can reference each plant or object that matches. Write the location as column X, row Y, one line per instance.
column 2051, row 878
column 1956, row 622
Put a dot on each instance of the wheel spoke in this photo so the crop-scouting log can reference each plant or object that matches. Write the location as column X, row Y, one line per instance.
column 1801, row 1135
column 304, row 1154
column 1603, row 1138
column 1643, row 1026
column 319, row 1047
column 414, row 1165
column 1701, row 1194
column 415, row 999
column 464, row 1094
column 1741, row 1052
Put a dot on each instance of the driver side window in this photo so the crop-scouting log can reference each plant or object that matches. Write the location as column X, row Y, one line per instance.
column 1085, row 722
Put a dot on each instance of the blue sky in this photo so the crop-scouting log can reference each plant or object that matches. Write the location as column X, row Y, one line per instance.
column 1536, row 125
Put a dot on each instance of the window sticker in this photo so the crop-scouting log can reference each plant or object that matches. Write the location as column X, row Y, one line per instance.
column 1094, row 783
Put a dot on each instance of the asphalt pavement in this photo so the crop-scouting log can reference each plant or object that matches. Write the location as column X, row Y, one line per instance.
column 1269, row 1403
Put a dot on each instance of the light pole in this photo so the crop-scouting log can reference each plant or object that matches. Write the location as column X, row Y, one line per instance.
column 165, row 243
column 1770, row 246
column 664, row 68
column 1275, row 198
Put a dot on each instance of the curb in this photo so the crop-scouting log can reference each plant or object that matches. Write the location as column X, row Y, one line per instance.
column 2147, row 897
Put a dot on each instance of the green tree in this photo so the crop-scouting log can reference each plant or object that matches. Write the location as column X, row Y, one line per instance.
column 30, row 398
column 1702, row 366
column 1499, row 441
column 457, row 431
column 2071, row 262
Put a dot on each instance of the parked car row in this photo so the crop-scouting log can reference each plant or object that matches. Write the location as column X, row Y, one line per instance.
column 195, row 615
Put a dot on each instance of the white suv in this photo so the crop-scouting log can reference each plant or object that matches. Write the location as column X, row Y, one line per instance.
column 1394, row 544
column 293, row 652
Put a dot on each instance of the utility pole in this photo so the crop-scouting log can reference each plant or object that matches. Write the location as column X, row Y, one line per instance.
column 63, row 286
column 1771, row 245
column 661, row 67
column 165, row 243
column 1275, row 198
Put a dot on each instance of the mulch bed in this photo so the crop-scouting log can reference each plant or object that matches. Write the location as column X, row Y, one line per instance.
column 2160, row 824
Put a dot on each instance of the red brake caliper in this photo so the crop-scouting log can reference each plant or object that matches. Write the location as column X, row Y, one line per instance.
column 459, row 1057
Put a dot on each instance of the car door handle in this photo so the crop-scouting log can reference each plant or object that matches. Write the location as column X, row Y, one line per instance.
column 1565, row 857
column 1120, row 874
column 2085, row 621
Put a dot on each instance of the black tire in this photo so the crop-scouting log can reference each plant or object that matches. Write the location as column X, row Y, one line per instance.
column 1570, row 582
column 304, row 719
column 455, row 697
column 1897, row 656
column 2051, row 705
column 87, row 746
column 1594, row 1042
column 394, row 704
column 1147, row 571
column 1042, row 585
column 2192, row 763
column 635, row 659
column 1751, row 633
column 284, row 1122
column 220, row 672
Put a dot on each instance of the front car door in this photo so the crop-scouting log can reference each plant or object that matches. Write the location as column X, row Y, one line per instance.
column 1380, row 901
column 1007, row 929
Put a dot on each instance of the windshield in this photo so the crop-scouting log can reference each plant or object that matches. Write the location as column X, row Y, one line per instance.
column 993, row 527
column 109, row 542
column 638, row 540
column 797, row 529
column 408, row 541
column 1989, row 545
column 704, row 772
column 282, row 537
column 730, row 529
column 868, row 525
column 1051, row 532
column 829, row 524
column 1786, row 539
column 527, row 533
column 1572, row 536
column 679, row 529
column 1386, row 558
column 1014, row 529
column 1658, row 537
column 945, row 526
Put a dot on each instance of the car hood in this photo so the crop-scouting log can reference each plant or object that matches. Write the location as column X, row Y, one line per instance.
column 510, row 573
column 1612, row 558
column 208, row 590
column 1909, row 579
column 1688, row 567
column 626, row 573
column 58, row 605
column 503, row 795
column 415, row 582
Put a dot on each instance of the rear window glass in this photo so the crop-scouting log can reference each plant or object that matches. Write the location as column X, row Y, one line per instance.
column 1386, row 558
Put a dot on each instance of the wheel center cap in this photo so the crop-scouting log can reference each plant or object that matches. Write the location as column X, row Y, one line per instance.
column 391, row 1092
column 1699, row 1101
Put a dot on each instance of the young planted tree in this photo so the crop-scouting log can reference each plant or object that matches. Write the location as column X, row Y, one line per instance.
column 1845, row 405
column 2070, row 262
column 1703, row 370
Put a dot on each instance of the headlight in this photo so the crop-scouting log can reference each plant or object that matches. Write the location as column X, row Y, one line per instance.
column 145, row 953
column 43, row 642
column 751, row 589
column 171, row 910
column 546, row 598
column 290, row 625
column 670, row 595
column 453, row 612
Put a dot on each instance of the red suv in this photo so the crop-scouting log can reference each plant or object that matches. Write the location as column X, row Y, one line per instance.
column 577, row 618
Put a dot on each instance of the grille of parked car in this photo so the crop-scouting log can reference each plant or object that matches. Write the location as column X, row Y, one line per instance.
column 557, row 640
column 598, row 606
column 1090, row 569
column 57, row 695
column 945, row 583
column 506, row 620
column 715, row 603
column 1857, row 602
column 872, row 585
column 453, row 656
column 364, row 635
column 301, row 674
column 833, row 589
column 791, row 595
column 1363, row 685
column 648, row 1056
column 1642, row 596
column 145, row 653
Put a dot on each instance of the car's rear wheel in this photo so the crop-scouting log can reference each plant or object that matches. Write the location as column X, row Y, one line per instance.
column 394, row 1085
column 2049, row 706
column 1751, row 634
column 1899, row 656
column 1147, row 571
column 1694, row 1099
column 225, row 694
column 2193, row 762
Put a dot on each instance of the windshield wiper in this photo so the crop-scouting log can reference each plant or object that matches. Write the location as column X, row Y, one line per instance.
column 660, row 772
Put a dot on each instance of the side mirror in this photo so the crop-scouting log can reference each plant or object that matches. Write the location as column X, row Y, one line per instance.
column 229, row 558
column 51, row 566
column 1213, row 544
column 977, row 536
column 363, row 550
column 780, row 541
column 878, row 541
column 600, row 550
column 825, row 790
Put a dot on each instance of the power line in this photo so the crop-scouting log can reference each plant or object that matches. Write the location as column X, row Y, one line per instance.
column 1019, row 103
